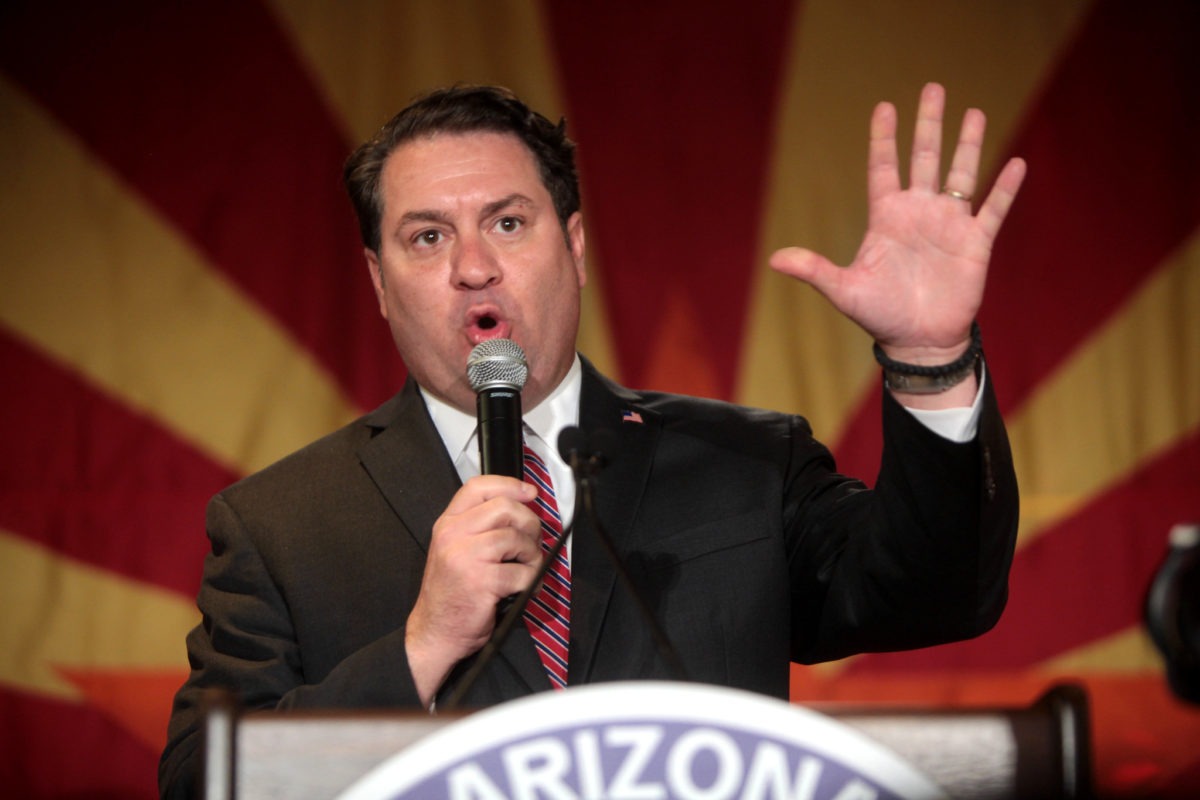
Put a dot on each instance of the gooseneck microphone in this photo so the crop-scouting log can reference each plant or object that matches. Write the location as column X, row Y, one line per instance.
column 587, row 454
column 497, row 371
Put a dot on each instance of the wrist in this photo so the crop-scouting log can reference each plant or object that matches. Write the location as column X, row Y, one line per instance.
column 925, row 356
column 930, row 370
column 428, row 664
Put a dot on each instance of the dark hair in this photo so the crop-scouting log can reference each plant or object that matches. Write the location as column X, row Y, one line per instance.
column 463, row 109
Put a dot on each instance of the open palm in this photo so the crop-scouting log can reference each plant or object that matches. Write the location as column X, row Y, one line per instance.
column 917, row 280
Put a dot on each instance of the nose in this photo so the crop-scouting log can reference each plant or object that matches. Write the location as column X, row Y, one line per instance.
column 473, row 264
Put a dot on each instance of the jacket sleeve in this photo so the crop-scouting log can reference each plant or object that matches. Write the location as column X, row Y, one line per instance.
column 247, row 639
column 921, row 559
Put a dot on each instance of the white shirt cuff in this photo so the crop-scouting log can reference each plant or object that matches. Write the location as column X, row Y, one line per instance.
column 956, row 424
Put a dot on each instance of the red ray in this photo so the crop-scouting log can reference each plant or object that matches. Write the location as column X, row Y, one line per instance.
column 62, row 750
column 1111, row 189
column 673, row 110
column 207, row 113
column 95, row 481
column 1081, row 580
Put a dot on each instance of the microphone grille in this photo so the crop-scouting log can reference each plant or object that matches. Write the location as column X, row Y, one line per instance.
column 497, row 362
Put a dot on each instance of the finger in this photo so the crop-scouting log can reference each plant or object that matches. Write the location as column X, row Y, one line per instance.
column 803, row 264
column 505, row 515
column 513, row 578
column 480, row 531
column 993, row 211
column 812, row 268
column 482, row 488
column 927, row 139
column 883, row 162
column 960, row 180
column 509, row 544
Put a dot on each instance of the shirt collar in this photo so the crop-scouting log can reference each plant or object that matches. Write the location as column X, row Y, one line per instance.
column 559, row 410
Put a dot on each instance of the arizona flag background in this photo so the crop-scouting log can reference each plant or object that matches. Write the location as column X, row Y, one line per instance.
column 183, row 300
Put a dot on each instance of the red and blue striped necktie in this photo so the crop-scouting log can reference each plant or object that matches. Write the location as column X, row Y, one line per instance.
column 548, row 614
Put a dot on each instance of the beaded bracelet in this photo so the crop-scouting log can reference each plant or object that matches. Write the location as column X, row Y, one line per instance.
column 920, row 379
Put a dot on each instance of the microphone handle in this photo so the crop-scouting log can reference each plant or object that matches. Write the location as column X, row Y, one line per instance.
column 500, row 451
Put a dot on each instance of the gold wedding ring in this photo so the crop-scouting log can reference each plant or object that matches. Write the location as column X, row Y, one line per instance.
column 957, row 195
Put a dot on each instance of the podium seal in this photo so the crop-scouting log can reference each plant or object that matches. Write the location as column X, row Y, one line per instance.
column 645, row 741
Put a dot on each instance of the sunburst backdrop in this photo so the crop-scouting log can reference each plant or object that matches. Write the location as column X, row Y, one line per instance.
column 183, row 301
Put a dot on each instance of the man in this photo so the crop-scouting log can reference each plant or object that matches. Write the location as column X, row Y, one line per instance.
column 367, row 569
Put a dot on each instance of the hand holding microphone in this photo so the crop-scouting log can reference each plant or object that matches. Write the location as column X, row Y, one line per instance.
column 486, row 545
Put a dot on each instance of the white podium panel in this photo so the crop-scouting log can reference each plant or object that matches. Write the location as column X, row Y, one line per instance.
column 646, row 741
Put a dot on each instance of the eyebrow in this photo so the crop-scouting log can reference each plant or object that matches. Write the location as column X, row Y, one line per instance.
column 433, row 215
column 514, row 199
column 421, row 216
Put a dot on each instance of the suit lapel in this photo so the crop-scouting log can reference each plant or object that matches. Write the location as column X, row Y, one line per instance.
column 619, row 489
column 407, row 461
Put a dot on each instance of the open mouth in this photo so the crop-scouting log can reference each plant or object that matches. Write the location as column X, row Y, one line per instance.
column 484, row 324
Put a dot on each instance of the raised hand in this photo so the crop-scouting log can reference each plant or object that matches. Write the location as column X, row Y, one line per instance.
column 917, row 280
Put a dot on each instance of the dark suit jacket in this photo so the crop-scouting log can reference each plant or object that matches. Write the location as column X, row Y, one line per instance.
column 749, row 548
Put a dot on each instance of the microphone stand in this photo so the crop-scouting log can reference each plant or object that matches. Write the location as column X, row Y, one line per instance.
column 500, row 635
column 585, row 470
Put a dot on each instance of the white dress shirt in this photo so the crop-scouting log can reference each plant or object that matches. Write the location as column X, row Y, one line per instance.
column 561, row 409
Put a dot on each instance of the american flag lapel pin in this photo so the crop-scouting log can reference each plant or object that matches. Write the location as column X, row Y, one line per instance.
column 630, row 416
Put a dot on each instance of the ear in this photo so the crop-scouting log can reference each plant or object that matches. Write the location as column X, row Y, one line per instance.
column 576, row 242
column 377, row 279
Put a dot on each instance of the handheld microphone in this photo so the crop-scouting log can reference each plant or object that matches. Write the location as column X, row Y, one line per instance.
column 497, row 371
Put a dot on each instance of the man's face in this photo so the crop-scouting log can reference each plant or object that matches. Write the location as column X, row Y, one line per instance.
column 471, row 249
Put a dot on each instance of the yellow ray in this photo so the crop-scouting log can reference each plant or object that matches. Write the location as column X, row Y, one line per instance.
column 61, row 613
column 372, row 58
column 95, row 278
column 1130, row 391
column 1128, row 651
column 799, row 354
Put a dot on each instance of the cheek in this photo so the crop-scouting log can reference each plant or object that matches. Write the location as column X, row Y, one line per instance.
column 560, row 309
column 421, row 319
column 410, row 297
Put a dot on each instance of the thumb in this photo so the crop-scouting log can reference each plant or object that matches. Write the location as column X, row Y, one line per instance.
column 812, row 268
